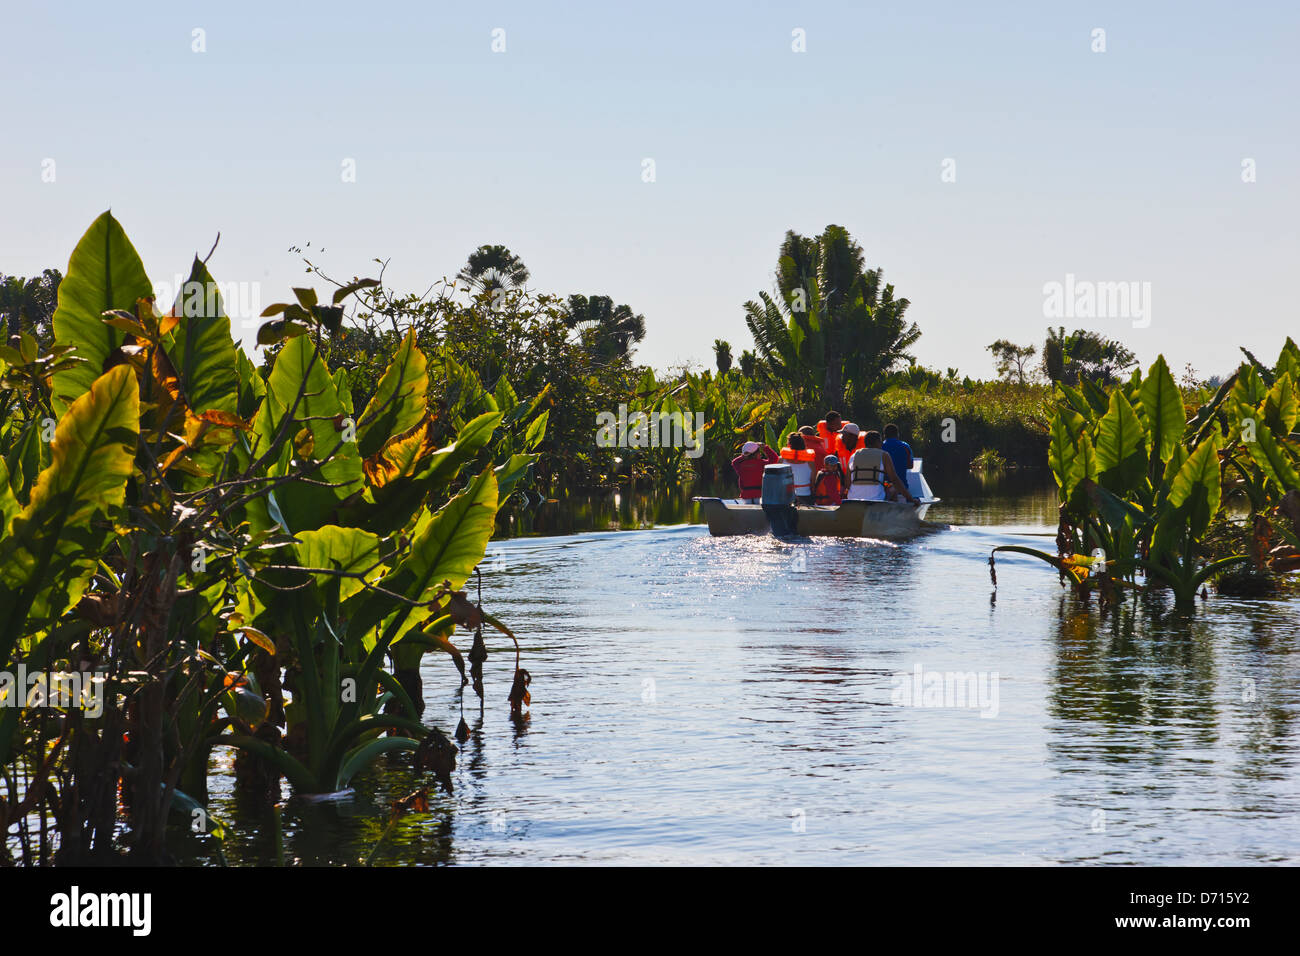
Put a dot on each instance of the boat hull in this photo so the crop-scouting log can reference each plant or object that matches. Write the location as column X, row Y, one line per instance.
column 850, row 519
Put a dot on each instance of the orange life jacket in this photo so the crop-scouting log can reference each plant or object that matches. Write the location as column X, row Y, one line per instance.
column 818, row 447
column 828, row 489
column 801, row 462
column 845, row 453
column 828, row 437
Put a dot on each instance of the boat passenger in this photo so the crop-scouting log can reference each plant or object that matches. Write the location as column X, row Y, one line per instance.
column 869, row 469
column 898, row 450
column 802, row 460
column 749, row 465
column 845, row 444
column 828, row 486
column 828, row 430
column 815, row 444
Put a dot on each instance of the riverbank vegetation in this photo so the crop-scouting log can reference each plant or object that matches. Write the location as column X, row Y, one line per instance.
column 1174, row 494
column 197, row 554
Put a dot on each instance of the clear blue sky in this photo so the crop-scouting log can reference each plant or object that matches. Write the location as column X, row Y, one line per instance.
column 1123, row 165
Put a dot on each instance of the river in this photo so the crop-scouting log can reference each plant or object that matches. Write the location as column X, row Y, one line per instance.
column 709, row 700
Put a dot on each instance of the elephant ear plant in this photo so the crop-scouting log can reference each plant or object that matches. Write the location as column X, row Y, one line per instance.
column 211, row 558
column 1141, row 483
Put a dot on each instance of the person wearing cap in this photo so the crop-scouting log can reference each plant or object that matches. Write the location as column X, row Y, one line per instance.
column 846, row 442
column 749, row 465
column 828, row 486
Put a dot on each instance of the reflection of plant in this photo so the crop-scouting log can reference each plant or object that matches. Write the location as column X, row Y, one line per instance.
column 989, row 460
column 1143, row 484
column 204, row 539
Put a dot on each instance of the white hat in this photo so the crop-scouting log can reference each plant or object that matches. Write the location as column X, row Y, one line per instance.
column 832, row 460
column 851, row 428
column 749, row 447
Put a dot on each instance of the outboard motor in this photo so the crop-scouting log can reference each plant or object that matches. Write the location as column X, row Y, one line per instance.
column 778, row 500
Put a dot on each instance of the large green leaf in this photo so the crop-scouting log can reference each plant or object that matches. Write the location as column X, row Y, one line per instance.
column 1121, row 446
column 1197, row 486
column 349, row 550
column 8, row 503
column 391, row 506
column 252, row 387
column 1271, row 456
column 104, row 273
column 52, row 545
column 507, row 400
column 1249, row 389
column 201, row 348
column 317, row 408
column 1281, row 406
column 1063, row 450
column 1161, row 404
column 444, row 546
column 399, row 401
column 536, row 430
column 1094, row 394
column 1288, row 362
column 1073, row 398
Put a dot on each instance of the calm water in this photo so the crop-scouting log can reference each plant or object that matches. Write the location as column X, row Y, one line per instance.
column 702, row 700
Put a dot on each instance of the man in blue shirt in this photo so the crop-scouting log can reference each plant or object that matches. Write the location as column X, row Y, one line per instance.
column 899, row 450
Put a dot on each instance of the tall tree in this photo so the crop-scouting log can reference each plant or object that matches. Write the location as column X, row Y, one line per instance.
column 493, row 267
column 834, row 330
column 722, row 356
column 610, row 330
column 1067, row 358
column 1011, row 359
column 28, row 304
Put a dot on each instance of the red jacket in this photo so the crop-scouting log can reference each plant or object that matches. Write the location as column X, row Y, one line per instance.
column 750, row 471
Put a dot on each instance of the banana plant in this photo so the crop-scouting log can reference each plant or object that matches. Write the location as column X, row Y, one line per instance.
column 201, row 538
column 1130, row 489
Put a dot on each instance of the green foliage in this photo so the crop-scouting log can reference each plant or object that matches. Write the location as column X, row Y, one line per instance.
column 204, row 537
column 834, row 330
column 1145, row 485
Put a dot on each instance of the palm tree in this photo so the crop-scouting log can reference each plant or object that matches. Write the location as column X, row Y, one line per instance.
column 722, row 356
column 493, row 267
column 610, row 330
column 834, row 330
column 29, row 304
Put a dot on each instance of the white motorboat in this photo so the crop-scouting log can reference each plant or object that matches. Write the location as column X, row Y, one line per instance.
column 853, row 518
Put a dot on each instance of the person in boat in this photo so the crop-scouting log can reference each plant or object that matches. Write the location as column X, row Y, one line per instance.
column 828, row 430
column 802, row 461
column 749, row 465
column 870, row 468
column 815, row 444
column 899, row 451
column 845, row 444
column 828, row 486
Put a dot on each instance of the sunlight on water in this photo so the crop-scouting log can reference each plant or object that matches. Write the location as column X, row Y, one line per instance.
column 748, row 700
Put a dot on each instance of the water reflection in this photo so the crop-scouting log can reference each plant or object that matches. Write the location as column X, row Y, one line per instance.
column 732, row 700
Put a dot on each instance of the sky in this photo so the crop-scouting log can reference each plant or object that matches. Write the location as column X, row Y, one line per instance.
column 978, row 152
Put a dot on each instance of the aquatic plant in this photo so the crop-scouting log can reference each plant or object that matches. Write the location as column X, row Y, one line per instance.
column 1141, row 483
column 218, row 555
